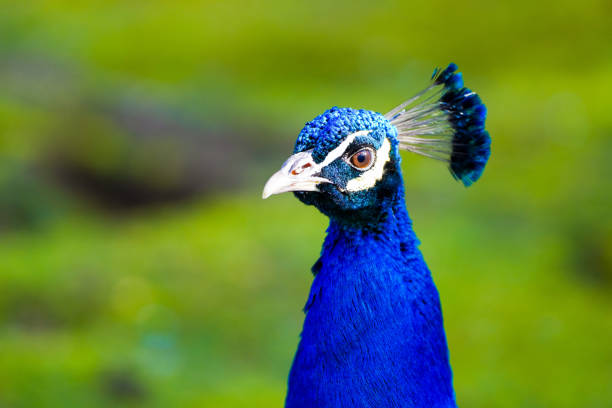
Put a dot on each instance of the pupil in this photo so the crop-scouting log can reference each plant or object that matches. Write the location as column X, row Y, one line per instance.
column 361, row 157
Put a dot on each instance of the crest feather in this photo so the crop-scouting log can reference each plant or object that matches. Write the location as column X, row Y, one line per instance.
column 446, row 122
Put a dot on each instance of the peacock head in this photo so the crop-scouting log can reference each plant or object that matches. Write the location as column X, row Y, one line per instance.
column 346, row 162
column 343, row 160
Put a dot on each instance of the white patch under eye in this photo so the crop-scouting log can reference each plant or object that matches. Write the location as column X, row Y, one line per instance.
column 370, row 177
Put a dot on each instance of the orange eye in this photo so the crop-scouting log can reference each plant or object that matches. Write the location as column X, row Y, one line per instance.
column 362, row 159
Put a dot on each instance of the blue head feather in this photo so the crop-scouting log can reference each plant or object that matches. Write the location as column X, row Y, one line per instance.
column 326, row 131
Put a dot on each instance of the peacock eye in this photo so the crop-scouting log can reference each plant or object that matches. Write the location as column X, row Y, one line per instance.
column 362, row 159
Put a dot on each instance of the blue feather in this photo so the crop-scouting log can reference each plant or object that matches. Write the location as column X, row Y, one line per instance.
column 373, row 335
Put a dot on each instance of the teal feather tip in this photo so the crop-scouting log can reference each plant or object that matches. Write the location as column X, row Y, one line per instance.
column 446, row 122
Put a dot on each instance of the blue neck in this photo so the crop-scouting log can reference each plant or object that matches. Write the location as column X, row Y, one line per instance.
column 373, row 332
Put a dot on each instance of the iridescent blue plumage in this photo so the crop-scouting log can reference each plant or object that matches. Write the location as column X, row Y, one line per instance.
column 327, row 130
column 373, row 334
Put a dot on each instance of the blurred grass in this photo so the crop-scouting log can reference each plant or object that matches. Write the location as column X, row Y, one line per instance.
column 204, row 309
column 198, row 302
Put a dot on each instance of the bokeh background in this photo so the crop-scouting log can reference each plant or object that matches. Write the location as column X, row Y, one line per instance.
column 140, row 267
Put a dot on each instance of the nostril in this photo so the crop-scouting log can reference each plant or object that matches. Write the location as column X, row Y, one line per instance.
column 298, row 170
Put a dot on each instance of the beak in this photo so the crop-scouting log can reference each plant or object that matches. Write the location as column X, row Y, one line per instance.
column 298, row 173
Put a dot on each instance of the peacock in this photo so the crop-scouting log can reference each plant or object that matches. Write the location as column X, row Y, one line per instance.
column 373, row 334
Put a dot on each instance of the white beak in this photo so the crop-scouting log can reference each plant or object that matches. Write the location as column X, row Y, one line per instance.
column 298, row 173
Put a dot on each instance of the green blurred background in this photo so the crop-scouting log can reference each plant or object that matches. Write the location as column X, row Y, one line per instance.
column 140, row 267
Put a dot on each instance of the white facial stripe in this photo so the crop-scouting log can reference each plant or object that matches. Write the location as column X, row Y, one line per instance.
column 368, row 178
column 339, row 151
